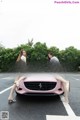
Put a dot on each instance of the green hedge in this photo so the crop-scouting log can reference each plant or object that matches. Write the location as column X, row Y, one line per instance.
column 37, row 57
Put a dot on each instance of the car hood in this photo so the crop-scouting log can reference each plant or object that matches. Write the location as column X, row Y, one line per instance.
column 35, row 78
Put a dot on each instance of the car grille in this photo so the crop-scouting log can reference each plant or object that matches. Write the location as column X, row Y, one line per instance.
column 40, row 85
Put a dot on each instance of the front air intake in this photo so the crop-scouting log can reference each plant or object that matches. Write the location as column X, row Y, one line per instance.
column 43, row 86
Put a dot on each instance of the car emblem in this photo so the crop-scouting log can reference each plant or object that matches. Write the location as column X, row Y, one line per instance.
column 40, row 85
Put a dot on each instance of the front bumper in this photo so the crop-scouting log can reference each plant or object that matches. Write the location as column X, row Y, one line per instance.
column 34, row 89
column 39, row 94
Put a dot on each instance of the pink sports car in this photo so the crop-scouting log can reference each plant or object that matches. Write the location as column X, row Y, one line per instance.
column 40, row 84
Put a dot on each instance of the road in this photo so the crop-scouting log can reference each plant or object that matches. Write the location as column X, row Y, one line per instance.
column 41, row 108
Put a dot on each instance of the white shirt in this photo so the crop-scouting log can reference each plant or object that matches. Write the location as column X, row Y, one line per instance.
column 23, row 58
column 54, row 59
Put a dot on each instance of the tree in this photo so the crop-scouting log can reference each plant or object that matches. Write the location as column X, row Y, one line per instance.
column 30, row 42
column 54, row 50
column 1, row 47
column 39, row 52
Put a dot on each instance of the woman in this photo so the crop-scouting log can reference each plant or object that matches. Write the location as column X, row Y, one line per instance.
column 21, row 63
column 16, row 84
column 65, row 85
column 22, row 56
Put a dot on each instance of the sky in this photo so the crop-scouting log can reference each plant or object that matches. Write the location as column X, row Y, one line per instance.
column 43, row 20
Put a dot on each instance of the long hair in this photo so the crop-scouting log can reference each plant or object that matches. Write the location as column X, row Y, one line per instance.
column 20, row 54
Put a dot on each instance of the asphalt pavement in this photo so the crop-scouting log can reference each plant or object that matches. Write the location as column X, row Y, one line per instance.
column 40, row 108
